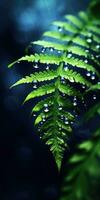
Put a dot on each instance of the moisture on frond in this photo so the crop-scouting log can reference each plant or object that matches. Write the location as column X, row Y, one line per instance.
column 68, row 55
column 83, row 165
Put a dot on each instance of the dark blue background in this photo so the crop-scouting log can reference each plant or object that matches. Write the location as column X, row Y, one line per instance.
column 27, row 168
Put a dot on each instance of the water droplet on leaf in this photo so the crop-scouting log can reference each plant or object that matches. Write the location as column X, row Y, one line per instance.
column 34, row 86
column 89, row 41
column 87, row 51
column 98, row 46
column 59, row 51
column 46, row 110
column 60, row 29
column 83, row 86
column 65, row 68
column 60, row 108
column 75, row 103
column 45, row 105
column 43, row 50
column 66, row 122
column 88, row 74
column 69, row 55
column 93, row 77
column 36, row 66
column 51, row 49
column 94, row 97
column 47, row 68
column 86, row 61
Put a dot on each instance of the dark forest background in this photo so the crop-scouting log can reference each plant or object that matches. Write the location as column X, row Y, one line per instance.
column 27, row 168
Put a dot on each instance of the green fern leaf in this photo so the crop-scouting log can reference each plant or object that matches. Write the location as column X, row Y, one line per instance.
column 69, row 51
column 41, row 76
column 83, row 164
column 43, row 90
column 75, row 20
column 65, row 26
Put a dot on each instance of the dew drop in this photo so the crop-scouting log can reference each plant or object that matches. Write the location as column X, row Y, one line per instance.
column 97, row 56
column 66, row 122
column 98, row 46
column 69, row 55
column 60, row 29
column 83, row 86
column 62, row 117
column 47, row 68
column 51, row 49
column 36, row 66
column 75, row 98
column 43, row 50
column 46, row 110
column 65, row 68
column 72, row 80
column 45, row 105
column 35, row 81
column 89, row 41
column 63, row 94
column 34, row 115
column 66, row 119
column 60, row 108
column 87, row 51
column 63, row 80
column 94, row 97
column 86, row 61
column 43, row 116
column 93, row 77
column 34, row 86
column 88, row 74
column 59, row 51
column 72, row 122
column 75, row 103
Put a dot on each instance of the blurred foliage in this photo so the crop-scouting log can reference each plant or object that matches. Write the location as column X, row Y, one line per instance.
column 82, row 177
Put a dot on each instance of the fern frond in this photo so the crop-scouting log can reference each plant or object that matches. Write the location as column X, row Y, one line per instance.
column 80, row 64
column 82, row 166
column 83, row 163
column 83, row 16
column 75, row 20
column 72, row 51
column 40, row 104
column 41, row 58
column 65, row 26
column 73, row 76
column 48, row 44
column 37, row 76
column 43, row 90
column 57, row 35
column 70, row 91
column 94, row 87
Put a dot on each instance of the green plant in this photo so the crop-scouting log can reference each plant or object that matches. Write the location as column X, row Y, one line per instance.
column 70, row 58
column 83, row 166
